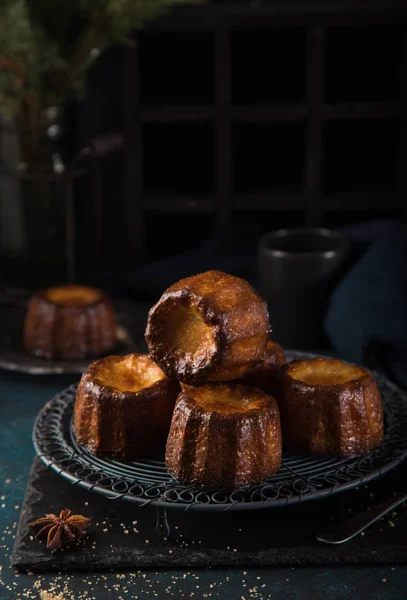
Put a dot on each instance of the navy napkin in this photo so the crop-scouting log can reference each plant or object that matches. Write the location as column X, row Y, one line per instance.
column 366, row 321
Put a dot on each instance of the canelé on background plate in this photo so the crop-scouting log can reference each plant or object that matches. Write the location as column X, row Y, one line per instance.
column 329, row 407
column 123, row 407
column 224, row 436
column 209, row 327
column 70, row 322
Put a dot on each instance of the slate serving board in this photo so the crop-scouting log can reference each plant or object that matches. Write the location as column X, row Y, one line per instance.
column 122, row 535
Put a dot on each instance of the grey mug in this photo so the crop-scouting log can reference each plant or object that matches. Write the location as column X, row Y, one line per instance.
column 297, row 270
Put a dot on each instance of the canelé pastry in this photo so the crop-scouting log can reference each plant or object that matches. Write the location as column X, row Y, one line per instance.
column 209, row 327
column 123, row 407
column 266, row 375
column 70, row 322
column 330, row 407
column 224, row 436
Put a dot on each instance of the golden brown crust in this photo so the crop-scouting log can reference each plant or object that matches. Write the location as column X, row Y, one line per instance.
column 329, row 407
column 266, row 375
column 72, row 295
column 209, row 327
column 70, row 322
column 218, row 445
column 122, row 419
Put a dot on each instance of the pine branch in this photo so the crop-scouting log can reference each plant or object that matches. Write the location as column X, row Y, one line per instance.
column 85, row 46
column 14, row 68
column 44, row 57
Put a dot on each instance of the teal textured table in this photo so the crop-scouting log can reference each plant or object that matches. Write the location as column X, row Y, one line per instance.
column 20, row 399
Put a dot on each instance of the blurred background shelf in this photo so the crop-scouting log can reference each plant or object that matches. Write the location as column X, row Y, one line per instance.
column 276, row 113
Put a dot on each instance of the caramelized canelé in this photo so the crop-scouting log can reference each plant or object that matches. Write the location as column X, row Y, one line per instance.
column 70, row 322
column 266, row 375
column 330, row 407
column 123, row 407
column 224, row 436
column 209, row 327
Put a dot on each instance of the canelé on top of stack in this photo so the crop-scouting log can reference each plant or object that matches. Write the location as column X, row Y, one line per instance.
column 207, row 328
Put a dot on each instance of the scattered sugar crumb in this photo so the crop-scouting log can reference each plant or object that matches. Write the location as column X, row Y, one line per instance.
column 44, row 595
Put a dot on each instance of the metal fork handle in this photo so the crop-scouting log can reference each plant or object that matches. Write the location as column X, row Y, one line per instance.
column 348, row 529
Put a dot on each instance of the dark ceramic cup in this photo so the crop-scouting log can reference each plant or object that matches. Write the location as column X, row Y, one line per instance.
column 297, row 271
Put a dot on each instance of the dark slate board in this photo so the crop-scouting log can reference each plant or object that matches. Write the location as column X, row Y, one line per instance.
column 284, row 536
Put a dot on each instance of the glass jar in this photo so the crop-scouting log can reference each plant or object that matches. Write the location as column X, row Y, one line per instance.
column 32, row 199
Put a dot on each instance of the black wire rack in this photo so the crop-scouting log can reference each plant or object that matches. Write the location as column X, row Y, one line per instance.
column 147, row 482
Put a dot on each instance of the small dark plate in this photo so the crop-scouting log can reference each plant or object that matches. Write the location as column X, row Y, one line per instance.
column 13, row 357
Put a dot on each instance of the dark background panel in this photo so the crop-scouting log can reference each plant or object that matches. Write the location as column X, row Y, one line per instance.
column 363, row 63
column 268, row 66
column 273, row 117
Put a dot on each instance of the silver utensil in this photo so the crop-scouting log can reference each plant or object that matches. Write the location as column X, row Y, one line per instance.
column 347, row 530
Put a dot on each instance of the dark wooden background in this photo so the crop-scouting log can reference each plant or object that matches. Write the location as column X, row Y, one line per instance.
column 278, row 113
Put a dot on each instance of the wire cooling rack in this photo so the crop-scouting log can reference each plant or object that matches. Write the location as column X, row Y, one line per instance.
column 147, row 482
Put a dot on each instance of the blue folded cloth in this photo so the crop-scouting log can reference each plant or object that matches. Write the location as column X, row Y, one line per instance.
column 367, row 317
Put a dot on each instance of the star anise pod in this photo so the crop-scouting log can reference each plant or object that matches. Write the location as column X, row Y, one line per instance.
column 65, row 528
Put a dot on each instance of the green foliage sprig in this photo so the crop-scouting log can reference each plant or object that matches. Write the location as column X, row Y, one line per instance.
column 46, row 46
